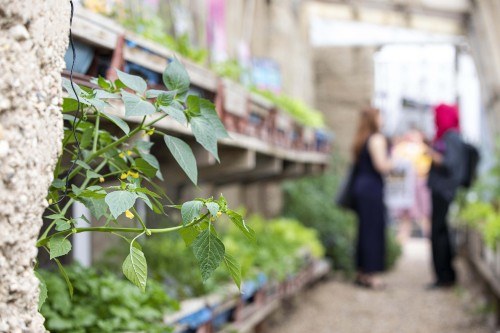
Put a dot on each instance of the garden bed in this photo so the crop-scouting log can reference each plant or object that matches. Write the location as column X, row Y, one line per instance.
column 232, row 311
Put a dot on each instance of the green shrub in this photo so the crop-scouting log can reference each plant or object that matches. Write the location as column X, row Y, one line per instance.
column 299, row 111
column 170, row 263
column 281, row 248
column 103, row 303
column 479, row 207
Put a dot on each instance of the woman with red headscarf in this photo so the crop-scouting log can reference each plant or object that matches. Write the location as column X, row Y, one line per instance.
column 444, row 179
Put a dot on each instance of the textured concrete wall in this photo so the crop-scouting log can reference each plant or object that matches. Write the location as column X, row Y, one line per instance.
column 344, row 79
column 33, row 40
column 280, row 32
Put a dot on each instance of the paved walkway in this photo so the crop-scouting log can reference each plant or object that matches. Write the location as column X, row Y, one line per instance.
column 404, row 307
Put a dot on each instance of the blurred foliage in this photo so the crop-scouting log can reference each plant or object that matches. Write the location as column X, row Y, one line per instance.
column 393, row 249
column 170, row 262
column 138, row 19
column 311, row 201
column 480, row 206
column 299, row 111
column 281, row 249
column 230, row 69
column 102, row 302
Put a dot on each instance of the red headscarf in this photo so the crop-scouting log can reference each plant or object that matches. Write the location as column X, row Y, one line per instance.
column 447, row 119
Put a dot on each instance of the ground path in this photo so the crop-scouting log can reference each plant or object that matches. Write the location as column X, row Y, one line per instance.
column 404, row 307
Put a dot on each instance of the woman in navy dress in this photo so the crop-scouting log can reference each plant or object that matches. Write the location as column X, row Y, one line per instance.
column 370, row 153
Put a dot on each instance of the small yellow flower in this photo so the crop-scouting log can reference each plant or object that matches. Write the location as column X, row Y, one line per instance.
column 129, row 214
column 101, row 179
column 129, row 152
column 133, row 174
column 50, row 201
column 123, row 176
column 122, row 155
column 219, row 213
column 151, row 131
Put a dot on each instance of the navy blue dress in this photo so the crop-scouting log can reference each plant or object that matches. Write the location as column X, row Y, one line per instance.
column 369, row 206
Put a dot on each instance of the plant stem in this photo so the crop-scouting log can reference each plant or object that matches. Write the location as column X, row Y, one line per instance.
column 139, row 218
column 116, row 143
column 71, row 200
column 96, row 131
column 44, row 240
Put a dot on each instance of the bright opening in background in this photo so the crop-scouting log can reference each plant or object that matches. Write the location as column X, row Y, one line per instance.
column 410, row 79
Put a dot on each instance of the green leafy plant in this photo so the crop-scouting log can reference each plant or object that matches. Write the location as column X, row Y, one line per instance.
column 103, row 303
column 480, row 206
column 299, row 111
column 169, row 263
column 282, row 248
column 111, row 172
column 230, row 69
column 153, row 27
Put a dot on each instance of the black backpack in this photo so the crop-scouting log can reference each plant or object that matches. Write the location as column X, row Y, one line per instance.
column 471, row 161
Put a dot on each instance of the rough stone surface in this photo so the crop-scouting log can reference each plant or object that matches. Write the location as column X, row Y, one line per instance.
column 33, row 40
column 403, row 307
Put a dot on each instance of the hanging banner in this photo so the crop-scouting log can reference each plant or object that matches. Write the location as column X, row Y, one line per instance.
column 216, row 30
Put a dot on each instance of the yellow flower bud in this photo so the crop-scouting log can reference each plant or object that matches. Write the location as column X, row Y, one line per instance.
column 101, row 179
column 129, row 214
column 50, row 201
column 123, row 176
column 122, row 155
column 129, row 152
column 133, row 174
column 219, row 213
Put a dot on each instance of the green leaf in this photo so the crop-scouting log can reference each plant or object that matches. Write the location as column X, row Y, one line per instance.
column 43, row 290
column 59, row 246
column 103, row 83
column 119, row 201
column 233, row 268
column 204, row 108
column 105, row 94
column 135, row 268
column 65, row 276
column 165, row 98
column 134, row 82
column 153, row 93
column 143, row 146
column 69, row 104
column 146, row 200
column 92, row 174
column 151, row 159
column 205, row 124
column 136, row 106
column 183, row 155
column 62, row 225
column 209, row 251
column 175, row 77
column 58, row 183
column 146, row 168
column 213, row 208
column 205, row 135
column 117, row 121
column 97, row 206
column 176, row 113
column 83, row 164
column 190, row 210
column 239, row 222
column 55, row 216
column 189, row 234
